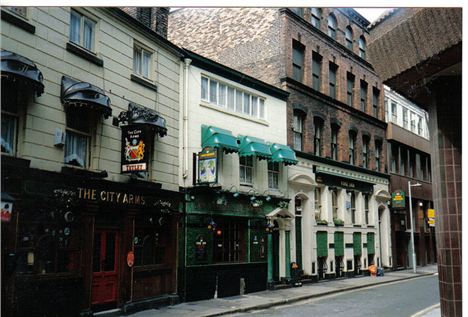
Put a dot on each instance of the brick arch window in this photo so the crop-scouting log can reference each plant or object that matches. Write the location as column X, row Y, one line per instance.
column 365, row 151
column 334, row 141
column 349, row 37
column 362, row 47
column 332, row 26
column 298, row 129
column 378, row 153
column 316, row 17
column 318, row 135
column 352, row 147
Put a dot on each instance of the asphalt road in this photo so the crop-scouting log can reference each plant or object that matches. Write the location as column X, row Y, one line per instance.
column 401, row 299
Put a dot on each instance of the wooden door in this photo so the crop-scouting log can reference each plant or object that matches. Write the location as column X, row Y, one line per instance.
column 105, row 267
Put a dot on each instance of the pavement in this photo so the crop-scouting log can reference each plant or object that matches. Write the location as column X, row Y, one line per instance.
column 267, row 299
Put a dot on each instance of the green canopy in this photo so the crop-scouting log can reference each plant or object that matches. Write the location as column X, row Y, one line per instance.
column 250, row 146
column 283, row 154
column 219, row 138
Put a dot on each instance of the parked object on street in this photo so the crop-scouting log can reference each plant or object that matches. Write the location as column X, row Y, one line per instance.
column 296, row 274
column 373, row 270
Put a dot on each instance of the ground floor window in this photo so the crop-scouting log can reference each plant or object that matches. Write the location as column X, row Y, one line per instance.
column 229, row 240
column 151, row 239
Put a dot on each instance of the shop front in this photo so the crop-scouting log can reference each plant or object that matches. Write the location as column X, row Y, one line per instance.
column 79, row 244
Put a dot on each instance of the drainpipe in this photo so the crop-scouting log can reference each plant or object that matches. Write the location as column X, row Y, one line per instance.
column 185, row 154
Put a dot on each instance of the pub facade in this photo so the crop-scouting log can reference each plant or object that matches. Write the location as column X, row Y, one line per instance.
column 90, row 193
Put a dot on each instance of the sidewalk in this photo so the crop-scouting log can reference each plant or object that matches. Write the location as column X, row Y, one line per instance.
column 266, row 299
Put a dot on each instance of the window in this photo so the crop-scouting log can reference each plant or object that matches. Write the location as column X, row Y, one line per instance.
column 273, row 175
column 423, row 164
column 378, row 150
column 349, row 37
column 394, row 112
column 405, row 118
column 413, row 122
column 412, row 164
column 318, row 202
column 363, row 95
column 141, row 62
column 77, row 138
column 394, row 158
column 403, row 161
column 298, row 125
column 229, row 240
column 316, row 17
column 316, row 70
column 350, row 89
column 318, row 124
column 362, row 47
column 419, row 125
column 9, row 118
column 232, row 99
column 21, row 11
column 366, row 208
column 82, row 30
column 375, row 102
column 298, row 11
column 334, row 195
column 246, row 169
column 332, row 26
column 352, row 197
column 365, row 151
column 298, row 61
column 352, row 142
column 386, row 109
column 334, row 142
column 332, row 79
column 150, row 242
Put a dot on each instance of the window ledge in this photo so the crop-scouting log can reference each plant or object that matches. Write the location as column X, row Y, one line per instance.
column 144, row 82
column 84, row 53
column 233, row 113
column 19, row 22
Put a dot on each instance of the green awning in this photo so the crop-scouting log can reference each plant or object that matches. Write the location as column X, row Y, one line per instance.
column 219, row 138
column 283, row 154
column 322, row 243
column 357, row 243
column 250, row 146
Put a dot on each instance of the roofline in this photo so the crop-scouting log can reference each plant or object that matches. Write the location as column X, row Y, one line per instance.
column 126, row 18
column 356, row 16
column 242, row 78
column 385, row 15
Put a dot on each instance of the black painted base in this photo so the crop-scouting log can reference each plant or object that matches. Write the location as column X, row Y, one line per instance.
column 150, row 303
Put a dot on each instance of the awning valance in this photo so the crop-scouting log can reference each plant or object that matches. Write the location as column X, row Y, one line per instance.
column 78, row 94
column 18, row 68
column 283, row 154
column 219, row 138
column 138, row 114
column 250, row 146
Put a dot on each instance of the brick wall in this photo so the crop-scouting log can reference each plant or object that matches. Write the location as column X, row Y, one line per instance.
column 154, row 18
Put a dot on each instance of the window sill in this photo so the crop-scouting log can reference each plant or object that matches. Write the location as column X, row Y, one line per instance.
column 233, row 113
column 144, row 82
column 357, row 226
column 17, row 21
column 84, row 53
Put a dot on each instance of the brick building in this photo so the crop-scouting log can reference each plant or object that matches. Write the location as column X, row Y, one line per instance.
column 418, row 53
column 335, row 123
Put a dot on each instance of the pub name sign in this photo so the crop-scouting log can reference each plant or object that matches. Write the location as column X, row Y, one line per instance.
column 398, row 199
column 135, row 153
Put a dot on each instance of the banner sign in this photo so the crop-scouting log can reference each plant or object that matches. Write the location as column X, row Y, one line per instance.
column 398, row 199
column 208, row 166
column 134, row 152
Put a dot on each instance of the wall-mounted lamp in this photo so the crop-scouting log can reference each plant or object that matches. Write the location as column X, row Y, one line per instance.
column 235, row 193
column 420, row 204
column 212, row 225
column 268, row 197
column 269, row 226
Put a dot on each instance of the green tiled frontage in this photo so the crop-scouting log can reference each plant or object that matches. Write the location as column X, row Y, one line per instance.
column 370, row 243
column 357, row 247
column 322, row 244
column 339, row 243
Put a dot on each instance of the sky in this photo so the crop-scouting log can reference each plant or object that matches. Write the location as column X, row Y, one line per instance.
column 371, row 14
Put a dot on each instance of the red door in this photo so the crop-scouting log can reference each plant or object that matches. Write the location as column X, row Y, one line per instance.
column 105, row 267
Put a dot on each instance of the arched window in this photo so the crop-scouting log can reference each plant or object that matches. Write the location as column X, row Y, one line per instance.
column 332, row 25
column 316, row 17
column 362, row 47
column 349, row 37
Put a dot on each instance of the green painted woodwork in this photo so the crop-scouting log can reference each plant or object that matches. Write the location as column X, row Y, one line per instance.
column 275, row 252
column 339, row 243
column 270, row 258
column 322, row 243
column 370, row 243
column 287, row 252
column 299, row 241
column 357, row 249
column 283, row 154
column 219, row 138
column 250, row 146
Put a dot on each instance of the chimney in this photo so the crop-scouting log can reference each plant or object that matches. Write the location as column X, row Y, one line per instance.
column 154, row 18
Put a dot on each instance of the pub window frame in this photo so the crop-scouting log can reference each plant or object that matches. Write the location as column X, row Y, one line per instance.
column 236, row 241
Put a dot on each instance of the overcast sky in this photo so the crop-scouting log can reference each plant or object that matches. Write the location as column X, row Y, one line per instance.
column 371, row 14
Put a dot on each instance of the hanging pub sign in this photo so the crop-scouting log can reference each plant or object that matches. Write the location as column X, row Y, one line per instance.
column 134, row 150
column 398, row 199
column 7, row 207
column 208, row 166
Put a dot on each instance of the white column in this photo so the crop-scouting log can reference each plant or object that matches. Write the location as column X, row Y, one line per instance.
column 326, row 204
column 360, row 218
column 292, row 234
column 282, row 254
column 307, row 232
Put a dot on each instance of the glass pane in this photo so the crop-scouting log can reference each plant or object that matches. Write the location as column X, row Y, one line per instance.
column 238, row 101
column 146, row 64
column 248, row 175
column 8, row 133
column 246, row 108
column 213, row 91
column 204, row 88
column 231, row 98
column 254, row 106
column 75, row 27
column 222, row 95
column 76, row 147
column 137, row 61
column 262, row 108
column 88, row 34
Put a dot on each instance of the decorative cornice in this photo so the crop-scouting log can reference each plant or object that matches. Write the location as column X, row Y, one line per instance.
column 337, row 171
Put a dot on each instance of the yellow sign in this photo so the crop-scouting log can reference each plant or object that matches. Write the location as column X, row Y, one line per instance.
column 430, row 213
column 431, row 222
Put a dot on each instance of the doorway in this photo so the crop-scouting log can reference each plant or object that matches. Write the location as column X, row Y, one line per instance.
column 339, row 266
column 322, row 267
column 275, row 252
column 105, row 268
